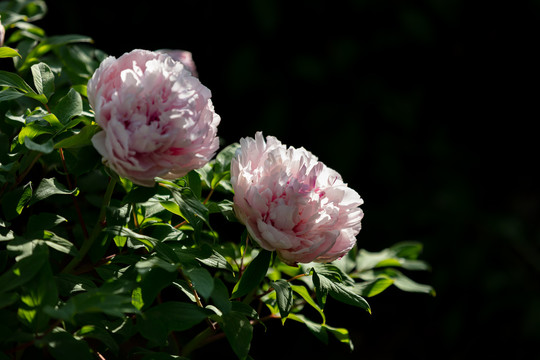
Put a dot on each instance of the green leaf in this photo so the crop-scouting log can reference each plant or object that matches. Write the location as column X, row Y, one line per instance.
column 43, row 79
column 59, row 244
column 404, row 283
column 33, row 130
column 374, row 287
column 80, row 139
column 8, row 299
column 45, row 148
column 153, row 281
column 223, row 159
column 202, row 281
column 24, row 270
column 6, row 52
column 49, row 187
column 67, row 39
column 9, row 94
column 407, row 249
column 94, row 301
column 338, row 291
column 62, row 346
column 69, row 284
column 284, row 296
column 190, row 207
column 220, row 296
column 341, row 334
column 68, row 106
column 239, row 333
column 253, row 275
column 39, row 292
column 15, row 81
column 194, row 183
column 44, row 221
column 98, row 333
column 158, row 321
column 303, row 292
column 244, row 309
column 150, row 355
column 14, row 202
column 316, row 329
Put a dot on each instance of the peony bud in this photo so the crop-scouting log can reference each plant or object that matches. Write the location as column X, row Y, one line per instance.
column 292, row 203
column 157, row 119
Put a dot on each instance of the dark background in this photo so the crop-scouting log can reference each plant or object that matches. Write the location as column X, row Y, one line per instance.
column 426, row 108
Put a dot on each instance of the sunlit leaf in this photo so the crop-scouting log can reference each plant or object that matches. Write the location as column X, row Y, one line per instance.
column 43, row 79
column 6, row 52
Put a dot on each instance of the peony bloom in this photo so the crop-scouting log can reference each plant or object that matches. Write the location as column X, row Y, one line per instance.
column 2, row 33
column 157, row 119
column 292, row 203
column 185, row 57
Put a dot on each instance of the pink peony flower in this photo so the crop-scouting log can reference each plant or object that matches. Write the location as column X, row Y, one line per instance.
column 292, row 203
column 157, row 119
column 2, row 33
column 185, row 57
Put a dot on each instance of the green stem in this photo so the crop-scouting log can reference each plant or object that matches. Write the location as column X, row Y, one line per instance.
column 87, row 244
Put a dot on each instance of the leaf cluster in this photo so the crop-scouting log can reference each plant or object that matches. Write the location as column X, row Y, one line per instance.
column 92, row 265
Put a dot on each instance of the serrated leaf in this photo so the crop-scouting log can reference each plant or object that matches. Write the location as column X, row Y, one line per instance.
column 43, row 79
column 253, row 275
column 284, row 296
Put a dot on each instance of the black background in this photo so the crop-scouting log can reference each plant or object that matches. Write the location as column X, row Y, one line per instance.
column 426, row 108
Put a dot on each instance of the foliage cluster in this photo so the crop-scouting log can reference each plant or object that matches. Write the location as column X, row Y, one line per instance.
column 93, row 266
